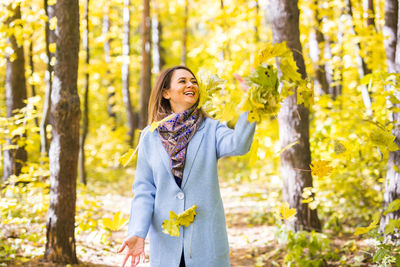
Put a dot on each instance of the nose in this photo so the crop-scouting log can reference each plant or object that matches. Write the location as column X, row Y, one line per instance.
column 190, row 84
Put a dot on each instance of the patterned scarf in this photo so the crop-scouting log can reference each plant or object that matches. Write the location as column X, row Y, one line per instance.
column 175, row 135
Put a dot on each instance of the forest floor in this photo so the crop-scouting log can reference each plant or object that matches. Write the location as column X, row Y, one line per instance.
column 251, row 238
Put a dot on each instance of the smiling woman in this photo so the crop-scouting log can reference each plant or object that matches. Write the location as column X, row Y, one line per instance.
column 176, row 170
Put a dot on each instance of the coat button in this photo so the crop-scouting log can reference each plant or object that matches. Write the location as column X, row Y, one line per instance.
column 180, row 195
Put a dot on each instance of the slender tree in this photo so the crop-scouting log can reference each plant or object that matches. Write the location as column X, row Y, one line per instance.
column 64, row 147
column 392, row 47
column 50, row 40
column 318, row 47
column 125, row 71
column 363, row 68
column 157, row 35
column 107, row 57
column 85, row 121
column 145, row 73
column 15, row 94
column 293, row 120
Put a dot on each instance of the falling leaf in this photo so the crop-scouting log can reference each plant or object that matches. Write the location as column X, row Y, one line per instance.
column 339, row 147
column 287, row 147
column 127, row 157
column 185, row 218
column 155, row 124
column 116, row 223
column 320, row 168
column 384, row 139
column 285, row 212
column 372, row 225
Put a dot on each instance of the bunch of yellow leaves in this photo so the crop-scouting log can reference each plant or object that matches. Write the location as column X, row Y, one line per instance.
column 116, row 223
column 185, row 218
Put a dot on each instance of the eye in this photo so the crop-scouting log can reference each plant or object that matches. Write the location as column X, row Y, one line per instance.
column 182, row 81
column 194, row 82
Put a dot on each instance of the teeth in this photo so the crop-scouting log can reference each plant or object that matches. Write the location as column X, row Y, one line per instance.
column 189, row 93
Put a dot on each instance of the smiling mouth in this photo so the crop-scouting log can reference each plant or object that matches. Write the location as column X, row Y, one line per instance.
column 189, row 93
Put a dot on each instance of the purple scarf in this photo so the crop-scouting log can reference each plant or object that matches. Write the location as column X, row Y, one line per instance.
column 175, row 135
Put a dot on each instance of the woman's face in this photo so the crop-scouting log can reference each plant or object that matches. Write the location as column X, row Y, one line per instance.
column 183, row 92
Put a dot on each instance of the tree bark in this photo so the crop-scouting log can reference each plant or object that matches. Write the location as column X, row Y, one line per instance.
column 392, row 47
column 85, row 121
column 145, row 74
column 320, row 65
column 370, row 10
column 32, row 72
column 64, row 147
column 363, row 68
column 50, row 38
column 158, row 50
column 15, row 95
column 107, row 57
column 293, row 121
column 125, row 71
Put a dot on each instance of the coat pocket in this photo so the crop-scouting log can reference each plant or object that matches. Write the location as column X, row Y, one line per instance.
column 219, row 237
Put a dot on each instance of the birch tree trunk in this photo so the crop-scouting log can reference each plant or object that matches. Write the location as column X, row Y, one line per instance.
column 392, row 47
column 50, row 39
column 64, row 147
column 293, row 121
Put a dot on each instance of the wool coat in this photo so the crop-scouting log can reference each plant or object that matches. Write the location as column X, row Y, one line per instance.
column 205, row 241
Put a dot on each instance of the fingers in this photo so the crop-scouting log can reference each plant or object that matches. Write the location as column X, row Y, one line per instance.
column 126, row 258
column 122, row 247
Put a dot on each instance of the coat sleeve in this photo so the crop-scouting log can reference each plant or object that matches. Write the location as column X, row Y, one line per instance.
column 144, row 189
column 235, row 142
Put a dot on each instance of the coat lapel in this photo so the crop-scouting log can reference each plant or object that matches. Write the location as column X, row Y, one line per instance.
column 191, row 153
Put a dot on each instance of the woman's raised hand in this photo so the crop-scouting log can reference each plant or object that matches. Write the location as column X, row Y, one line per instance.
column 135, row 246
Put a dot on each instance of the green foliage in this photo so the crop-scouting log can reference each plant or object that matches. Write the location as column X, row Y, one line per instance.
column 305, row 248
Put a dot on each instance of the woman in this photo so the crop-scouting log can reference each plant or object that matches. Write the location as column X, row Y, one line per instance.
column 176, row 169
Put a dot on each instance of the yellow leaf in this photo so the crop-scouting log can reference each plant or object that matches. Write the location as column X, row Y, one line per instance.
column 272, row 50
column 155, row 124
column 116, row 223
column 52, row 2
column 52, row 47
column 127, row 157
column 53, row 23
column 384, row 139
column 320, row 168
column 170, row 227
column 285, row 212
column 287, row 147
column 185, row 218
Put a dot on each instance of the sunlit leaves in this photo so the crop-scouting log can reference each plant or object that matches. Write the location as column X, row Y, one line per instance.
column 116, row 223
column 185, row 218
column 208, row 87
column 393, row 206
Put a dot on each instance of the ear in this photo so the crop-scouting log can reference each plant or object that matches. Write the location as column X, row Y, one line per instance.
column 165, row 94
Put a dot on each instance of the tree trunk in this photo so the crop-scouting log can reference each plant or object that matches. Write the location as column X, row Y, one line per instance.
column 50, row 39
column 363, row 68
column 64, row 147
column 318, row 48
column 145, row 74
column 32, row 70
column 392, row 46
column 158, row 49
column 293, row 121
column 125, row 71
column 185, row 33
column 85, row 121
column 107, row 57
column 15, row 95
column 370, row 12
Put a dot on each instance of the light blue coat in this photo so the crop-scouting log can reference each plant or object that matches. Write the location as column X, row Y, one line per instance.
column 205, row 241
